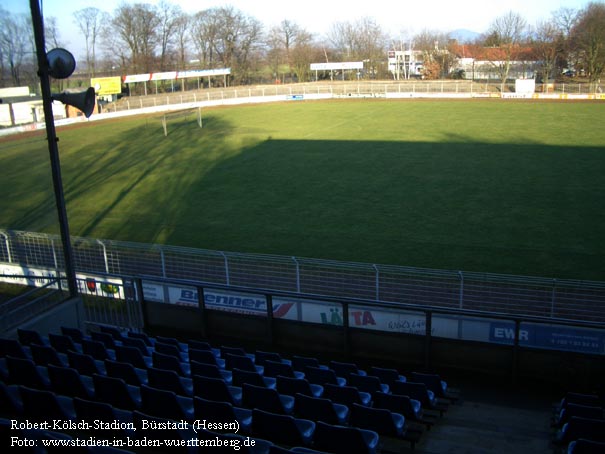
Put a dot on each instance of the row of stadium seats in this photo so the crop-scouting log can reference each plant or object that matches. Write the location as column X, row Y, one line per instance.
column 165, row 378
column 579, row 424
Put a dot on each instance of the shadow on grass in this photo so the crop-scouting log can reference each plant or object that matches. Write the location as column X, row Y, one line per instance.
column 509, row 208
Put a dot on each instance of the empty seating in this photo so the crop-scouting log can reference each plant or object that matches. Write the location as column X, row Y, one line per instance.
column 170, row 362
column 583, row 446
column 266, row 399
column 126, row 371
column 44, row 405
column 116, row 392
column 368, row 383
column 261, row 356
column 68, row 381
column 419, row 392
column 302, row 362
column 105, row 338
column 344, row 369
column 216, row 389
column 344, row 440
column 45, row 354
column 346, row 395
column 320, row 409
column 24, row 372
column 254, row 378
column 387, row 375
column 133, row 356
column 96, row 349
column 582, row 411
column 62, row 343
column 221, row 411
column 274, row 368
column 169, row 349
column 75, row 333
column 205, row 356
column 28, row 337
column 380, row 420
column 323, row 376
column 12, row 347
column 84, row 364
column 292, row 386
column 169, row 380
column 165, row 404
column 410, row 408
column 281, row 428
column 576, row 428
column 144, row 337
column 210, row 370
column 432, row 382
column 137, row 343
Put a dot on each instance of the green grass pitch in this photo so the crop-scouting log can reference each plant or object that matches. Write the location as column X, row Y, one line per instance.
column 479, row 185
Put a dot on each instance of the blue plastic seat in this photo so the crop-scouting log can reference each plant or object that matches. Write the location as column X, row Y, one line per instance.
column 261, row 356
column 24, row 372
column 205, row 356
column 241, row 362
column 76, row 334
column 380, row 420
column 169, row 380
column 344, row 440
column 266, row 399
column 144, row 337
column 293, row 386
column 320, row 409
column 68, row 382
column 346, row 395
column 166, row 404
column 10, row 400
column 132, row 355
column 410, row 408
column 367, row 383
column 433, row 382
column 84, row 364
column 173, row 341
column 105, row 338
column 116, row 333
column 44, row 405
column 29, row 336
column 45, row 354
column 417, row 391
column 584, row 446
column 210, row 370
column 224, row 412
column 283, row 429
column 96, row 349
column 343, row 369
column 387, row 375
column 90, row 410
column 244, row 376
column 300, row 363
column 576, row 428
column 274, row 368
column 322, row 376
column 116, row 392
column 239, row 351
column 169, row 362
column 200, row 345
column 137, row 343
column 582, row 411
column 62, row 343
column 12, row 347
column 169, row 349
column 126, row 371
column 216, row 389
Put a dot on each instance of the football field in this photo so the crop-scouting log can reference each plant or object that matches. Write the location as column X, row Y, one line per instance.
column 498, row 186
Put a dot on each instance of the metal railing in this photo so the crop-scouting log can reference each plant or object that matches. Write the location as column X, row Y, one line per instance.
column 455, row 290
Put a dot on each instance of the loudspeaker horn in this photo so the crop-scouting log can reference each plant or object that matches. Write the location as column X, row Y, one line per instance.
column 83, row 100
column 61, row 63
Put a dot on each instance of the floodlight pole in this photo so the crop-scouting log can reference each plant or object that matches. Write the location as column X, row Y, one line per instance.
column 43, row 73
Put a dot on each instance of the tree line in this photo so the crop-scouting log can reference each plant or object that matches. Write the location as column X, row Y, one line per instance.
column 141, row 38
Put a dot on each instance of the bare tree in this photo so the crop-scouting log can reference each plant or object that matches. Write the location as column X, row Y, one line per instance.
column 438, row 58
column 506, row 34
column 136, row 26
column 281, row 42
column 90, row 21
column 169, row 16
column 16, row 46
column 547, row 45
column 360, row 40
column 182, row 31
column 228, row 38
column 588, row 38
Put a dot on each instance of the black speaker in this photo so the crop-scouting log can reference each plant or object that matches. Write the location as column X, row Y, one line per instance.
column 83, row 100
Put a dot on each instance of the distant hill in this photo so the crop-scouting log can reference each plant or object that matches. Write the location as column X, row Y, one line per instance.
column 464, row 36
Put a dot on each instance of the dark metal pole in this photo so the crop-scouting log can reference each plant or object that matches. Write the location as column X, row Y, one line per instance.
column 43, row 73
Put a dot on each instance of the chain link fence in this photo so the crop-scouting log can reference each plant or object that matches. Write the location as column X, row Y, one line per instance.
column 491, row 293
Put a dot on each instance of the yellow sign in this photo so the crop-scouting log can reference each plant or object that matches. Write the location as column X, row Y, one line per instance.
column 107, row 85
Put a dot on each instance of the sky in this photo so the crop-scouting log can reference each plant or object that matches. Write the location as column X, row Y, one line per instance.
column 399, row 18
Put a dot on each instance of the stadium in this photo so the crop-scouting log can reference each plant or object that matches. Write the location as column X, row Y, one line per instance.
column 328, row 267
